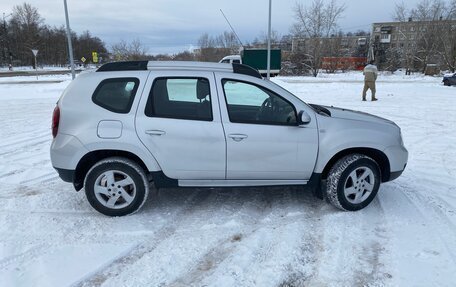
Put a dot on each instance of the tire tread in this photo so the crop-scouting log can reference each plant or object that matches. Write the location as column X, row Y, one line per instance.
column 334, row 177
column 131, row 164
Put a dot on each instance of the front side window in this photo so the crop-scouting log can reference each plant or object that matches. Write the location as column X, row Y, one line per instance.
column 248, row 103
column 116, row 95
column 180, row 98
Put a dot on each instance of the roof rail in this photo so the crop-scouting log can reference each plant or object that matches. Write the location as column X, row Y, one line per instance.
column 182, row 65
column 189, row 65
column 246, row 70
column 124, row 66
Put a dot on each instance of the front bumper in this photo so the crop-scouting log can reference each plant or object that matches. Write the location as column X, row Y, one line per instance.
column 398, row 158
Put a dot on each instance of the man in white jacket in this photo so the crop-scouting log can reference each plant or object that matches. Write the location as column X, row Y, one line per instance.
column 370, row 76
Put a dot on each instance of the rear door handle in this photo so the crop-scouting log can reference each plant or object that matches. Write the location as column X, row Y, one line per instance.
column 237, row 137
column 155, row 132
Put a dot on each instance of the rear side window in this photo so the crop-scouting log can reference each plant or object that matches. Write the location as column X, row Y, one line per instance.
column 180, row 98
column 116, row 95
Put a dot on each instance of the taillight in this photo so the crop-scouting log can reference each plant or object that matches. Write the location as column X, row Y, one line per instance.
column 55, row 121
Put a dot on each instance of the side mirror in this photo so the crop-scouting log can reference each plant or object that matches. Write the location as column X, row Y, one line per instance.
column 303, row 118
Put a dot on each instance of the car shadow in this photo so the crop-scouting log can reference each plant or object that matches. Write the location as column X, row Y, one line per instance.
column 172, row 200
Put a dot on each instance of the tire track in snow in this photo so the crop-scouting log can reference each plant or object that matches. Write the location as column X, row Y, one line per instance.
column 261, row 234
column 149, row 245
column 210, row 249
column 303, row 265
column 45, row 178
column 338, row 246
column 209, row 262
column 36, row 139
column 434, row 218
column 24, row 257
column 19, row 191
column 205, row 266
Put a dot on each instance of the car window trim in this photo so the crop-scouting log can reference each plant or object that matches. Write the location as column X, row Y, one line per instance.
column 109, row 80
column 150, row 96
column 267, row 91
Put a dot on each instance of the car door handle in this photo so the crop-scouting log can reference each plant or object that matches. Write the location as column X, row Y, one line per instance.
column 155, row 132
column 237, row 137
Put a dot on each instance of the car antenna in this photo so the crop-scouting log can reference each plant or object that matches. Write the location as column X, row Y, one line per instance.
column 232, row 29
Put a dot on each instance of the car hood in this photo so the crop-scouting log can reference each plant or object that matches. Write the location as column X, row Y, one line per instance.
column 356, row 115
column 448, row 75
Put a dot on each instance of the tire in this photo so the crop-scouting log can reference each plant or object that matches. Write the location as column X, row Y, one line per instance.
column 446, row 83
column 353, row 182
column 116, row 186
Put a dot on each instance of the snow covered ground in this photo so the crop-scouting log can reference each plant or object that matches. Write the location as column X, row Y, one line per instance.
column 49, row 235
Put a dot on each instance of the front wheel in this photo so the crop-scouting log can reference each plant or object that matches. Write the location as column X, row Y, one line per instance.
column 446, row 83
column 116, row 186
column 353, row 182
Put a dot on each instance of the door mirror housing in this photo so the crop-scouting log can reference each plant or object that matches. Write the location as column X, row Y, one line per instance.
column 303, row 118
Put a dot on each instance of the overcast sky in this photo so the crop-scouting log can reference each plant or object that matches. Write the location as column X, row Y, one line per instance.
column 169, row 26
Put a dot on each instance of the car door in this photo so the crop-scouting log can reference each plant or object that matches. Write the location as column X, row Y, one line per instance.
column 264, row 141
column 179, row 122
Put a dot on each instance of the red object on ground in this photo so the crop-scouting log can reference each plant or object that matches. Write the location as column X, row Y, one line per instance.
column 344, row 63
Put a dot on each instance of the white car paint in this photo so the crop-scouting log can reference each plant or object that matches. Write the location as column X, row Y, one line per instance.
column 201, row 153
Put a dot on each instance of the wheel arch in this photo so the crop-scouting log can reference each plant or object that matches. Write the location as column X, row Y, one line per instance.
column 91, row 158
column 377, row 155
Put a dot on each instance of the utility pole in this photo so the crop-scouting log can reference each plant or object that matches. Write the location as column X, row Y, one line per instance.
column 70, row 45
column 269, row 41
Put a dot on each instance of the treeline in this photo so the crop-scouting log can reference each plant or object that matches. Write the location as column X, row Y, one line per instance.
column 25, row 30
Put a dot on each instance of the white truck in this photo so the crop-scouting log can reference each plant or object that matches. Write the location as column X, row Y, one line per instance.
column 257, row 59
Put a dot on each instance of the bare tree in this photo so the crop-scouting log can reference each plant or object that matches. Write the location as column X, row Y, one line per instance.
column 262, row 38
column 401, row 12
column 184, row 56
column 124, row 51
column 26, row 25
column 213, row 49
column 435, row 34
column 227, row 40
column 314, row 22
column 447, row 50
column 206, row 41
column 429, row 10
column 317, row 20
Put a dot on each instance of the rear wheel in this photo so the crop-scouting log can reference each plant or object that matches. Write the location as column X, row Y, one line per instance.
column 353, row 182
column 116, row 186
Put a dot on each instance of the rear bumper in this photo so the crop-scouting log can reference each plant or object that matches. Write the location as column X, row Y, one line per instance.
column 395, row 174
column 66, row 151
column 66, row 174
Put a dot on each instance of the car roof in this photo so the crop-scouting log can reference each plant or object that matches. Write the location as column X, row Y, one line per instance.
column 180, row 65
column 232, row 57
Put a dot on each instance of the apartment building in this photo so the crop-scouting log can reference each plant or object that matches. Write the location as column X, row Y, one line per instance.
column 408, row 39
column 343, row 46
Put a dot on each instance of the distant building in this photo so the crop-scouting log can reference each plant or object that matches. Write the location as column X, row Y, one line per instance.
column 404, row 39
column 343, row 46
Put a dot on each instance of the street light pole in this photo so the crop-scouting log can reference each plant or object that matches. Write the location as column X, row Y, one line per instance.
column 70, row 45
column 269, row 41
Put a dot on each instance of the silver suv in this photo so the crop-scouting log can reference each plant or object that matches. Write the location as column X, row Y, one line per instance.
column 186, row 124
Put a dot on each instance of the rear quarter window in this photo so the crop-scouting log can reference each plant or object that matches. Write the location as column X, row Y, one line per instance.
column 116, row 95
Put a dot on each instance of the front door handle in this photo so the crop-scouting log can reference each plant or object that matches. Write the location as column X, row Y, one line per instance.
column 237, row 137
column 155, row 132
